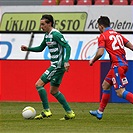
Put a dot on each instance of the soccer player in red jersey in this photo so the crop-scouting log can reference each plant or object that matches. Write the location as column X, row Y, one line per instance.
column 114, row 44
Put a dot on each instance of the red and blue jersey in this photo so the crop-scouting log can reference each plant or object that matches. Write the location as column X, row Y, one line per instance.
column 114, row 44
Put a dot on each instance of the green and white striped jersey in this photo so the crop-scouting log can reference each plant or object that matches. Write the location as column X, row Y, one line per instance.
column 57, row 45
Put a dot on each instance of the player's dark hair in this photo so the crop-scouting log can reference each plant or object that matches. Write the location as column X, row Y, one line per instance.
column 49, row 18
column 103, row 20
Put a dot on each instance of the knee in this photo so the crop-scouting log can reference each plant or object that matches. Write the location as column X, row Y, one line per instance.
column 39, row 83
column 52, row 92
column 119, row 92
column 103, row 86
column 38, row 86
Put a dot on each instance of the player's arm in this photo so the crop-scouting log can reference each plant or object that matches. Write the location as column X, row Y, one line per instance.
column 129, row 45
column 38, row 48
column 100, row 51
column 98, row 55
column 34, row 49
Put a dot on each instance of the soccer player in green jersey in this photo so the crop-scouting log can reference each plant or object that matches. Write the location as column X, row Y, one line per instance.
column 56, row 43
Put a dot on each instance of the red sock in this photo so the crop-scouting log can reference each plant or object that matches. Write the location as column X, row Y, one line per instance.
column 104, row 100
column 128, row 96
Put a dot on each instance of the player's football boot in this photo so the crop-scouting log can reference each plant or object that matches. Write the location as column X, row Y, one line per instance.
column 44, row 114
column 68, row 116
column 96, row 114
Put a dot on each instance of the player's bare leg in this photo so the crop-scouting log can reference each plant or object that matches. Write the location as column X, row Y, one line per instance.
column 123, row 93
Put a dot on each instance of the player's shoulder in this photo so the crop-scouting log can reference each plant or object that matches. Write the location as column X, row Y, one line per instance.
column 55, row 32
column 102, row 36
column 109, row 32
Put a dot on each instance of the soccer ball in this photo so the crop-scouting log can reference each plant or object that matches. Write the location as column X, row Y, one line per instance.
column 29, row 112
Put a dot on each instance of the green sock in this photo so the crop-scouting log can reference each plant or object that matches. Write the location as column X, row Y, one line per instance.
column 43, row 95
column 60, row 97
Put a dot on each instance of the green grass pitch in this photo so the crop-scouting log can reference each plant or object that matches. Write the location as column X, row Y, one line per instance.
column 117, row 118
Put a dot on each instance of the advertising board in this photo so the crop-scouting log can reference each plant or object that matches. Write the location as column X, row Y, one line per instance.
column 67, row 18
column 83, row 46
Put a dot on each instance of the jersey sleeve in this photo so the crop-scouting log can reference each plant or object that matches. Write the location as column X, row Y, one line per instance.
column 125, row 41
column 59, row 38
column 101, row 41
column 38, row 48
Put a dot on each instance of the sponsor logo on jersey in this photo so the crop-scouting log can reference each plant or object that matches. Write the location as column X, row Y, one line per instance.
column 124, row 81
column 53, row 50
column 46, row 72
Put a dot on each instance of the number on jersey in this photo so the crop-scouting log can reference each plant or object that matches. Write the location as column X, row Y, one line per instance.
column 116, row 40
